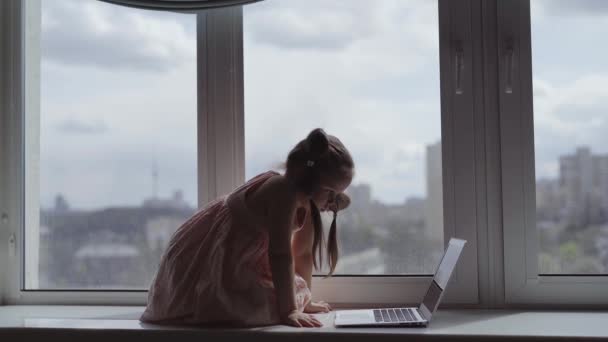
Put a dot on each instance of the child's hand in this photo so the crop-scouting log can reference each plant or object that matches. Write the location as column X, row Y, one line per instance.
column 300, row 319
column 317, row 307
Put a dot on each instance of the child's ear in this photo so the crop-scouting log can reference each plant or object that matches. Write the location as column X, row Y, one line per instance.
column 343, row 201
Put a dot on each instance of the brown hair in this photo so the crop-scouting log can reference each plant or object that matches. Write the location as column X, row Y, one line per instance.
column 319, row 155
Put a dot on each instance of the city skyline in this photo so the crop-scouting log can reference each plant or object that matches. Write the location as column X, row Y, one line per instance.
column 572, row 223
column 432, row 179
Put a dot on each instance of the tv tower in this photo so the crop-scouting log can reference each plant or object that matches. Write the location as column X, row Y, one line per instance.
column 154, row 179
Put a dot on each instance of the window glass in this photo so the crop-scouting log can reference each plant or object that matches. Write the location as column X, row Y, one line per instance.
column 117, row 143
column 370, row 76
column 570, row 125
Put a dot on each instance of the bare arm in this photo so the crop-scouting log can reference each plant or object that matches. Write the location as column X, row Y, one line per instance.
column 301, row 247
column 280, row 216
column 280, row 255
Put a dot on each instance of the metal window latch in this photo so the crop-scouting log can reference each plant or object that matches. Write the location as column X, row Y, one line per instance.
column 12, row 248
column 458, row 67
column 12, row 240
column 509, row 64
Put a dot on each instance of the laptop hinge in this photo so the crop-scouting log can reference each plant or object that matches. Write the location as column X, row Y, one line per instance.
column 422, row 315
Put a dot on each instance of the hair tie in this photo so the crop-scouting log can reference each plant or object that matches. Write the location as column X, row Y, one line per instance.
column 310, row 163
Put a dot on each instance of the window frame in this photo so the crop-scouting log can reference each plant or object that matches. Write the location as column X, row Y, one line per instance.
column 523, row 284
column 9, row 54
column 221, row 157
column 215, row 151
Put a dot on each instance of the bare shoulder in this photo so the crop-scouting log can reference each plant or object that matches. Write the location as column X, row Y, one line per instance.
column 275, row 199
column 278, row 192
column 280, row 200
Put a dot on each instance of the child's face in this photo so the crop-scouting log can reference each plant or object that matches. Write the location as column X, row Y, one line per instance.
column 325, row 196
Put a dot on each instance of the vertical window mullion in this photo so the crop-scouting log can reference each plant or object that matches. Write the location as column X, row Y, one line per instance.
column 458, row 132
column 220, row 102
column 491, row 278
column 11, row 220
column 516, row 144
column 31, row 138
column 4, row 150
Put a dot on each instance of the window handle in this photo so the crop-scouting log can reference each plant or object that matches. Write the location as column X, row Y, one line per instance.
column 458, row 67
column 509, row 60
column 12, row 246
column 12, row 243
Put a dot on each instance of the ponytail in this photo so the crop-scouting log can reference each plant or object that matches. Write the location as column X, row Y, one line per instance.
column 319, row 240
column 332, row 246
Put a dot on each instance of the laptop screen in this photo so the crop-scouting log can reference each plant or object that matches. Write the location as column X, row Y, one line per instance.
column 443, row 274
column 432, row 296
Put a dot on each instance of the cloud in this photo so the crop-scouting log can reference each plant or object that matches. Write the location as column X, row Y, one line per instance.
column 148, row 117
column 569, row 115
column 107, row 36
column 367, row 74
column 311, row 25
column 573, row 8
column 376, row 89
column 103, row 173
column 76, row 126
column 570, row 97
column 575, row 107
column 338, row 25
column 375, row 95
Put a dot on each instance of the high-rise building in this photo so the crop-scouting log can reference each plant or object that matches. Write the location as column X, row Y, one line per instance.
column 434, row 192
column 549, row 200
column 360, row 195
column 583, row 179
column 600, row 165
column 176, row 202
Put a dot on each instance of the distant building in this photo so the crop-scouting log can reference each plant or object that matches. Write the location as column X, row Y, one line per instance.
column 360, row 195
column 61, row 204
column 106, row 251
column 175, row 202
column 414, row 209
column 369, row 261
column 434, row 192
column 114, row 247
column 159, row 230
column 600, row 165
column 583, row 179
column 549, row 200
column 107, row 265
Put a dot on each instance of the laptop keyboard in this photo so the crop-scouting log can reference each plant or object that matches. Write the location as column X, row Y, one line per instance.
column 394, row 315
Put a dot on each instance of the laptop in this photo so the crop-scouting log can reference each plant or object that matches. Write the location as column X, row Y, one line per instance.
column 409, row 317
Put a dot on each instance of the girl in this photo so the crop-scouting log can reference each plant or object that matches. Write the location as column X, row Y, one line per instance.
column 246, row 259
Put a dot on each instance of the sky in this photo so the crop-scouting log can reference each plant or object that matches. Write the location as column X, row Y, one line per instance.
column 118, row 92
column 570, row 74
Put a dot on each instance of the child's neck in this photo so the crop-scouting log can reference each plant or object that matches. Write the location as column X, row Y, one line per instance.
column 302, row 200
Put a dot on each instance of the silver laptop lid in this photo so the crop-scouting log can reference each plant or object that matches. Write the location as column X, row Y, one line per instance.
column 441, row 278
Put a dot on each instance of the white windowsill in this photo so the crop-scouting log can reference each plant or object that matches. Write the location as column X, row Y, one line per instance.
column 483, row 324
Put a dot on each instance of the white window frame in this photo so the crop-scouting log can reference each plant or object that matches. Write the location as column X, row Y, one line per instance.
column 8, row 42
column 219, row 112
column 221, row 157
column 523, row 285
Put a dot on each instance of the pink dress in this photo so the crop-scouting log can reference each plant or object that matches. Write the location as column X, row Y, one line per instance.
column 216, row 268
